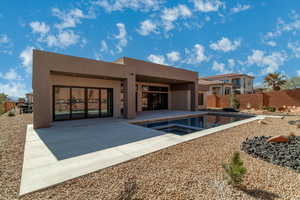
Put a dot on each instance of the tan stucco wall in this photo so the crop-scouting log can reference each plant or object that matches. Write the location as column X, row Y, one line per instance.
column 181, row 99
column 45, row 63
column 89, row 82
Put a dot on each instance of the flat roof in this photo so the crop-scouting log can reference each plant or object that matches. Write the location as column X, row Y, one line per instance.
column 227, row 75
column 119, row 69
column 214, row 82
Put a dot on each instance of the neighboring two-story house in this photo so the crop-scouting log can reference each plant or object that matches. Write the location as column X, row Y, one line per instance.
column 240, row 83
column 207, row 87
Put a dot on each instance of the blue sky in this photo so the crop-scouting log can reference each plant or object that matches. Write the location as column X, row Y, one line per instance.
column 208, row 36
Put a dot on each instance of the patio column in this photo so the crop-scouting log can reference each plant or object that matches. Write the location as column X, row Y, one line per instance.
column 130, row 96
column 194, row 95
column 41, row 93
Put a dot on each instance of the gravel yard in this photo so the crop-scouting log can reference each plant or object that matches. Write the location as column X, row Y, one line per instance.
column 190, row 170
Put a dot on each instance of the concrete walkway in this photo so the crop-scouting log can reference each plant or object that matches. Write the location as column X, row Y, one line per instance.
column 74, row 148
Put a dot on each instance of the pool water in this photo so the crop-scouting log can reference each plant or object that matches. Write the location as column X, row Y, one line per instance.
column 178, row 130
column 185, row 126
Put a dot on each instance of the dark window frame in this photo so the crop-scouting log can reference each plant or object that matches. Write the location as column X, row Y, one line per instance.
column 110, row 107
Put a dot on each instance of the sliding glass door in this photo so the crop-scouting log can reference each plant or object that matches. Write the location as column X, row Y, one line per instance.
column 93, row 102
column 62, row 103
column 154, row 98
column 81, row 102
column 77, row 103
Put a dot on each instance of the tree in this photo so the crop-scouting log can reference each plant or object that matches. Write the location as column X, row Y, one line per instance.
column 235, row 170
column 275, row 80
column 293, row 83
column 234, row 102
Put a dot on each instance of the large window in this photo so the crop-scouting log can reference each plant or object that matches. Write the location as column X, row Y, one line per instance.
column 81, row 102
column 236, row 82
column 154, row 97
column 227, row 90
column 200, row 99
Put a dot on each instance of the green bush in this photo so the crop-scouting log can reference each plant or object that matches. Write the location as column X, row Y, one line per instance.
column 270, row 108
column 235, row 171
column 234, row 102
column 1, row 109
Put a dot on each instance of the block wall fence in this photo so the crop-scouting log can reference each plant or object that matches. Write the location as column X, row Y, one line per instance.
column 9, row 106
column 275, row 99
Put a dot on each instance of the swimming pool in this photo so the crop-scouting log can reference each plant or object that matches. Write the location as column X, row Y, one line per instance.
column 183, row 126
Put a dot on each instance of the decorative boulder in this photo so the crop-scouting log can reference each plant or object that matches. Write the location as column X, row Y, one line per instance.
column 262, row 122
column 279, row 138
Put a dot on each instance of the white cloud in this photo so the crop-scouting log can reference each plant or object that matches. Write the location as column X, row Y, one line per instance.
column 63, row 36
column 170, row 15
column 39, row 27
column 26, row 58
column 184, row 11
column 103, row 46
column 270, row 63
column 119, row 5
column 159, row 59
column 208, row 5
column 63, row 39
column 67, row 38
column 119, row 42
column 295, row 47
column 147, row 27
column 220, row 67
column 298, row 73
column 5, row 44
column 69, row 19
column 121, row 37
column 231, row 63
column 4, row 39
column 282, row 26
column 11, row 75
column 173, row 56
column 13, row 89
column 240, row 8
column 196, row 55
column 103, row 49
column 225, row 45
column 271, row 43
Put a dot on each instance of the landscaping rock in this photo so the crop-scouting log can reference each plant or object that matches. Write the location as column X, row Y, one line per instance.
column 262, row 122
column 286, row 154
column 294, row 122
column 190, row 170
column 279, row 138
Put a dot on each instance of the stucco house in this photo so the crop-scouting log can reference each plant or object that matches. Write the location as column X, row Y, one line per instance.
column 68, row 87
column 240, row 83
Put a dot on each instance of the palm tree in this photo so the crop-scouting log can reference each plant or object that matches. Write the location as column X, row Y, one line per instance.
column 275, row 80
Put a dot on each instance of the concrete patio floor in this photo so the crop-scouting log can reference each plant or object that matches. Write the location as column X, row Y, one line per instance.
column 71, row 149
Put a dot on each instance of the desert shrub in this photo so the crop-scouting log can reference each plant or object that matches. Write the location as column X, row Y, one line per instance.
column 11, row 113
column 130, row 188
column 269, row 108
column 235, row 170
column 234, row 102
